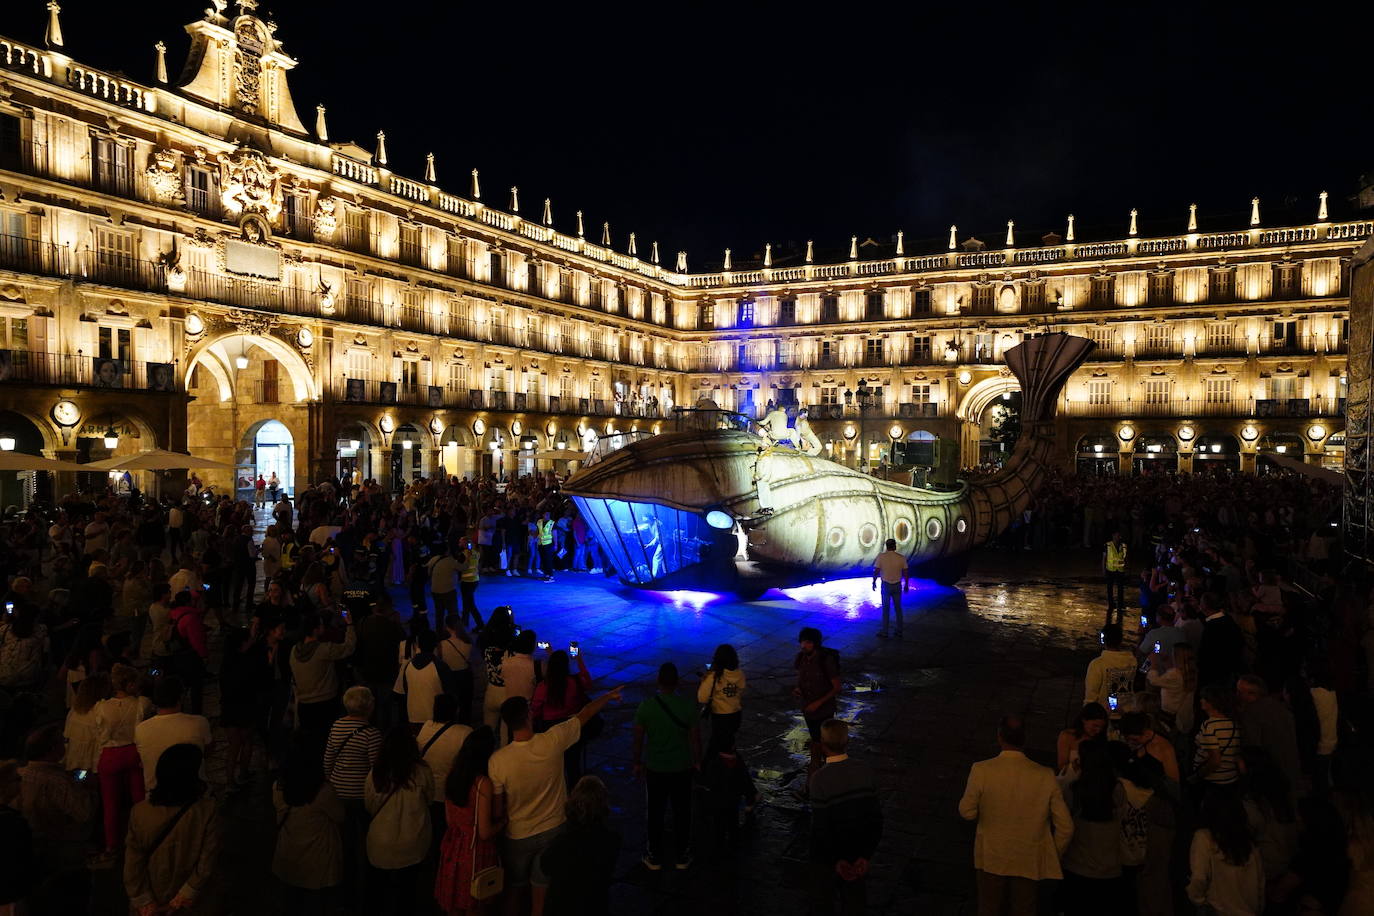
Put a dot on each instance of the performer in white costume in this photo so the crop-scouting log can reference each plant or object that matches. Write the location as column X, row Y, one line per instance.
column 808, row 441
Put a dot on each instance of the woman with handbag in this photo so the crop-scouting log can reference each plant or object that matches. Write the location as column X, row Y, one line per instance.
column 469, row 878
column 720, row 694
column 174, row 839
column 397, row 795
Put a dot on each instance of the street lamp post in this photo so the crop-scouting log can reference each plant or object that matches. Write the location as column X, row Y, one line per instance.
column 865, row 398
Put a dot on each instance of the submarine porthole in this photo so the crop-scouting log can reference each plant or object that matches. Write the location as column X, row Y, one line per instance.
column 835, row 538
column 934, row 529
column 961, row 525
column 868, row 535
column 902, row 531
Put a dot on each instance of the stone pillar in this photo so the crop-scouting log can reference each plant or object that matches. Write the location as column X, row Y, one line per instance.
column 1125, row 458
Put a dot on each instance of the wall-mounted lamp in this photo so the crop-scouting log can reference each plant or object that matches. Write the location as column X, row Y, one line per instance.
column 111, row 438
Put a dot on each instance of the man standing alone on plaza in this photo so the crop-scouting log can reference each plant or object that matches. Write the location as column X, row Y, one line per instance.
column 892, row 569
column 1114, row 565
column 818, row 684
column 1023, row 825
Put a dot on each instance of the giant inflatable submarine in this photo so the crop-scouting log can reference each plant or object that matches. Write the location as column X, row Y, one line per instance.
column 724, row 510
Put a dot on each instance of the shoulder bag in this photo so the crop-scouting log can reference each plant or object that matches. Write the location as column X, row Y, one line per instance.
column 167, row 829
column 490, row 881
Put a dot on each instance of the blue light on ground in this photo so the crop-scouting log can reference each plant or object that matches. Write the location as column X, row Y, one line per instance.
column 852, row 597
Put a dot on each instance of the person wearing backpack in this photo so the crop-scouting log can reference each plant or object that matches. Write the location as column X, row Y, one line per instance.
column 187, row 646
column 667, row 749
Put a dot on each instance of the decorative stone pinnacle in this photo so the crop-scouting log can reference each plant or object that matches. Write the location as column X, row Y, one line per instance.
column 1011, row 233
column 810, row 251
column 548, row 212
column 727, row 259
column 1321, row 208
column 954, row 235
column 853, row 248
column 768, row 254
column 161, row 49
column 514, row 199
column 901, row 242
column 430, row 175
column 1132, row 230
column 1254, row 211
column 1192, row 217
column 580, row 233
column 321, row 130
column 380, row 155
column 1069, row 236
column 476, row 186
column 53, row 36
column 653, row 252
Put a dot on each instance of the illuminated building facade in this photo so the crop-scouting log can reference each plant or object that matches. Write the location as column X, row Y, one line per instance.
column 186, row 266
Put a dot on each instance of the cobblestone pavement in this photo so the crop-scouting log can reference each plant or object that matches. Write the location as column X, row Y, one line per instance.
column 1016, row 637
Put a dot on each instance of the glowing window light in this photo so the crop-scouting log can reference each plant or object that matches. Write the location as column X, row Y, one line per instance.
column 718, row 519
column 6, row 443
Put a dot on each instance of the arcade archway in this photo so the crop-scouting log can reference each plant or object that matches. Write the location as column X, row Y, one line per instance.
column 241, row 384
column 19, row 488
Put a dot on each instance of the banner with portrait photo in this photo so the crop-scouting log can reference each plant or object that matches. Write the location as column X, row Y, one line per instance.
column 106, row 372
column 161, row 377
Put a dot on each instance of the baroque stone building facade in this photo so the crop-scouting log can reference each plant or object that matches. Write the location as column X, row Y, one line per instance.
column 187, row 266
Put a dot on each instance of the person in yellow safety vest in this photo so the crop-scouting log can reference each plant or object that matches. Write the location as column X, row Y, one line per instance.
column 1114, row 565
column 545, row 530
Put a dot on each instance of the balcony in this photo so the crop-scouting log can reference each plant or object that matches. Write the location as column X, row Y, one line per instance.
column 246, row 293
column 1181, row 408
column 123, row 271
column 33, row 257
column 267, row 391
column 27, row 367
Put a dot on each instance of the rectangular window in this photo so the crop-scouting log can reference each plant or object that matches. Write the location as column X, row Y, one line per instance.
column 1099, row 391
column 830, row 394
column 746, row 313
column 359, row 364
column 410, row 375
column 1220, row 336
column 11, row 143
column 114, row 255
column 1286, row 281
column 532, row 279
column 787, row 311
column 111, row 166
column 1156, row 391
column 355, row 229
column 920, row 349
column 874, row 309
column 830, row 356
column 830, row 309
column 1218, row 390
column 1101, row 291
column 198, row 196
column 1033, row 296
column 706, row 315
column 982, row 299
column 982, row 346
column 19, row 333
column 1222, row 286
column 458, row 257
column 297, row 215
column 1283, row 387
column 410, row 245
column 496, row 268
column 1104, row 338
column 1285, row 335
column 920, row 393
column 874, row 352
column 921, row 300
column 1159, row 339
column 457, row 377
column 1161, row 289
column 115, row 343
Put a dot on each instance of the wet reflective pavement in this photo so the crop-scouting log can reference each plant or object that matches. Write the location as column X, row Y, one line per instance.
column 1015, row 638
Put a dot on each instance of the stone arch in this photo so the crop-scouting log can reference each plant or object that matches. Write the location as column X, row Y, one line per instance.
column 212, row 354
column 52, row 437
column 977, row 398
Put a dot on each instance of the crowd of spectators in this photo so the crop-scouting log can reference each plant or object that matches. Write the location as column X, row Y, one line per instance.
column 425, row 753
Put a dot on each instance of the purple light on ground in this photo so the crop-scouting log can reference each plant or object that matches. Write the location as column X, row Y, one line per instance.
column 685, row 598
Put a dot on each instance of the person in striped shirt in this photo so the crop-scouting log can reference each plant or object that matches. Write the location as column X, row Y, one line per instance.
column 1218, row 741
column 349, row 754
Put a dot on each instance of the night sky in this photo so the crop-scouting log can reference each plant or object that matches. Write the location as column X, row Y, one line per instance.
column 708, row 126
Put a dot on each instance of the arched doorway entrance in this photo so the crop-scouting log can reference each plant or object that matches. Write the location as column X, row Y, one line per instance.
column 1217, row 454
column 239, row 384
column 409, row 456
column 455, row 452
column 354, row 449
column 1287, row 445
column 1097, row 456
column 267, row 448
column 20, row 488
column 991, row 411
column 1155, row 455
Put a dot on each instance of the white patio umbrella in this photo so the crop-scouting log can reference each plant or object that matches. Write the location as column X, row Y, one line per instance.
column 157, row 460
column 19, row 461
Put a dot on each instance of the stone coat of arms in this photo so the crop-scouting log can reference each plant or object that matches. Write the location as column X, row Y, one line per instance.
column 250, row 183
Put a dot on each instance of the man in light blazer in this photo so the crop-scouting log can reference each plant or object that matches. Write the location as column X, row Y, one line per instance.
column 1023, row 825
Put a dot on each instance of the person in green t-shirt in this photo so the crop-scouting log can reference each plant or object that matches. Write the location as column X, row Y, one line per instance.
column 667, row 750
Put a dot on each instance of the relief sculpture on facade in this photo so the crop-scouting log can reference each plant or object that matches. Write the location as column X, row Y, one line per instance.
column 250, row 184
column 248, row 65
column 164, row 176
